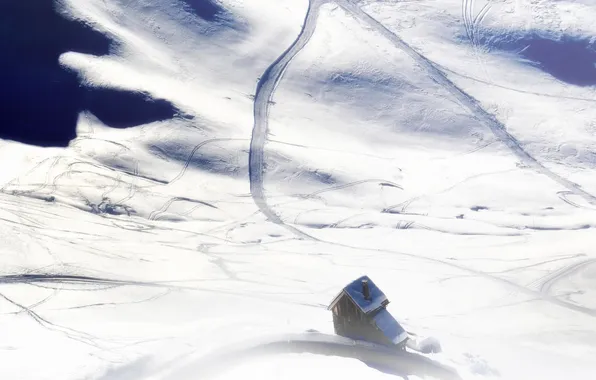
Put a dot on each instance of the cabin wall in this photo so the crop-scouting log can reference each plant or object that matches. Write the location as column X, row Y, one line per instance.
column 350, row 322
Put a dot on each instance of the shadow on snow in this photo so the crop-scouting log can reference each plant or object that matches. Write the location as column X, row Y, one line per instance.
column 40, row 100
column 122, row 109
column 400, row 364
column 394, row 102
column 208, row 10
column 216, row 18
column 567, row 58
column 215, row 158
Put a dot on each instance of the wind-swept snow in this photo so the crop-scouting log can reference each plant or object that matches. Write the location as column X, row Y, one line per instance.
column 266, row 153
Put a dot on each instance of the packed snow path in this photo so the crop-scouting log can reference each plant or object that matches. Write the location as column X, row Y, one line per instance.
column 265, row 90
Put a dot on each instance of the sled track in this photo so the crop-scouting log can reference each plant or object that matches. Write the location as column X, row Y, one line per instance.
column 467, row 101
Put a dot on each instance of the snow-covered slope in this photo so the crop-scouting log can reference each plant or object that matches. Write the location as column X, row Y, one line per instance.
column 446, row 149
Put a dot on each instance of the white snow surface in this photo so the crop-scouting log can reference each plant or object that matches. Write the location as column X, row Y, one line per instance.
column 460, row 180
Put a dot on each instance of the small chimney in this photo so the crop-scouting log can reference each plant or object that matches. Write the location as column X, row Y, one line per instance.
column 365, row 290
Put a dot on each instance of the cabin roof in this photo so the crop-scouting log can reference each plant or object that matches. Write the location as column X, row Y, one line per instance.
column 390, row 327
column 376, row 300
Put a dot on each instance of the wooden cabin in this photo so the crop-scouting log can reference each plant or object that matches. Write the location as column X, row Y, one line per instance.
column 359, row 312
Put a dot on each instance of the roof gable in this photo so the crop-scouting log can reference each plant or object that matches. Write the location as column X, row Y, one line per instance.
column 376, row 300
column 336, row 299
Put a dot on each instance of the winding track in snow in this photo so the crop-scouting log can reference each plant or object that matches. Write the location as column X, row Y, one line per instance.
column 265, row 90
column 466, row 100
column 562, row 273
column 274, row 73
column 156, row 213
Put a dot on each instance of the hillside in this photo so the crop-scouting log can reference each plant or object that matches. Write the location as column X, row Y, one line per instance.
column 187, row 184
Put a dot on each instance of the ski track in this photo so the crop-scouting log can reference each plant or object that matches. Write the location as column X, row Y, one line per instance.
column 43, row 186
column 563, row 196
column 194, row 151
column 467, row 101
column 381, row 182
column 77, row 335
column 562, row 273
column 521, row 91
column 63, row 278
column 155, row 214
column 133, row 187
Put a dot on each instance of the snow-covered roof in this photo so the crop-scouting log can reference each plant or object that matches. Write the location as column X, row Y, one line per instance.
column 376, row 300
column 390, row 327
column 354, row 290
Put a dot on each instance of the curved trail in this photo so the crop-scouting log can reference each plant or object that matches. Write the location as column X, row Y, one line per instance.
column 467, row 101
column 563, row 195
column 381, row 182
column 562, row 273
column 265, row 89
column 156, row 213
column 192, row 154
column 274, row 73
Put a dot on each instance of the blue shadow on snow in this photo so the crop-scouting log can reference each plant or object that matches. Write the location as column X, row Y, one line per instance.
column 569, row 59
column 40, row 100
column 123, row 109
column 208, row 10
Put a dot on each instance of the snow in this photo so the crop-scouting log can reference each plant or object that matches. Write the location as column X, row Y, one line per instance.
column 313, row 143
